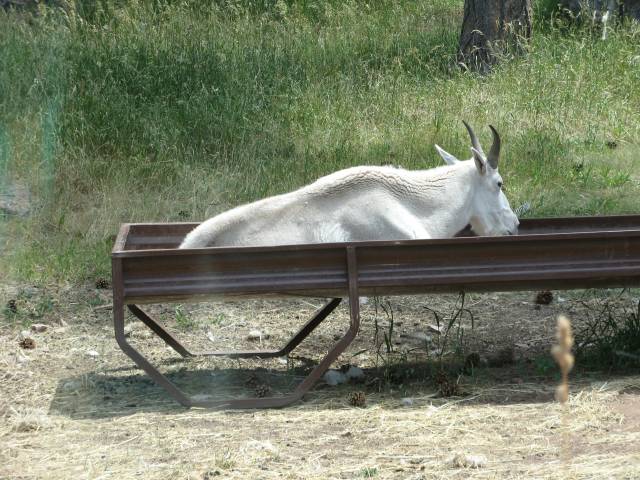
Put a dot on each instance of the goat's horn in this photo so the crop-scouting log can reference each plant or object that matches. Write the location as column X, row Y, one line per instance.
column 474, row 139
column 494, row 153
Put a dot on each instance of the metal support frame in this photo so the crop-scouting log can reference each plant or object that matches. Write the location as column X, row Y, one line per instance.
column 564, row 253
column 304, row 332
column 317, row 318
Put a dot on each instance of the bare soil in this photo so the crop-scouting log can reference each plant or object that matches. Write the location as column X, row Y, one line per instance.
column 75, row 407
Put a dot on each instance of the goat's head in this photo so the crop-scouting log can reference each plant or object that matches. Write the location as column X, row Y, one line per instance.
column 491, row 213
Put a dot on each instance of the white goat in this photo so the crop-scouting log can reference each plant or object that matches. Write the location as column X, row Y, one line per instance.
column 373, row 203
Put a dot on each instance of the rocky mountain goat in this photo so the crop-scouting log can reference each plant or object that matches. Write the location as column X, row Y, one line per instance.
column 374, row 203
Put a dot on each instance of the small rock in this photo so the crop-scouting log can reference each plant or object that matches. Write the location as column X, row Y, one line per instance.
column 435, row 329
column 469, row 461
column 210, row 336
column 92, row 353
column 407, row 402
column 39, row 327
column 24, row 334
column 355, row 373
column 334, row 377
column 128, row 329
column 257, row 335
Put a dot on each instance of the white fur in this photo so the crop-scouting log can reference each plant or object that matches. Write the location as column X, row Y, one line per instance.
column 370, row 203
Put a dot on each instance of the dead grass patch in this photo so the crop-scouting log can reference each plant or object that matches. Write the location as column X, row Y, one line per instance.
column 67, row 414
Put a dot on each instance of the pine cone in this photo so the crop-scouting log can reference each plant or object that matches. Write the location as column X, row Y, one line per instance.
column 253, row 381
column 12, row 306
column 545, row 297
column 28, row 343
column 357, row 399
column 447, row 387
column 102, row 284
column 263, row 390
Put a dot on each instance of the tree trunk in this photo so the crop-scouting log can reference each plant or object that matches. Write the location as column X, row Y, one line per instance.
column 492, row 29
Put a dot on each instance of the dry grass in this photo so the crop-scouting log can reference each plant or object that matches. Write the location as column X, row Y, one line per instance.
column 66, row 414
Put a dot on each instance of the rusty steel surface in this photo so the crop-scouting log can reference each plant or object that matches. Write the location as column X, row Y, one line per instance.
column 564, row 253
column 577, row 252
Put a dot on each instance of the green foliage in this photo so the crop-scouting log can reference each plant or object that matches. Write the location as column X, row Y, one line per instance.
column 183, row 320
column 544, row 365
column 368, row 472
column 159, row 110
column 610, row 337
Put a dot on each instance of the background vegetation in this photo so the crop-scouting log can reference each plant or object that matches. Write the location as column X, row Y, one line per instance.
column 159, row 110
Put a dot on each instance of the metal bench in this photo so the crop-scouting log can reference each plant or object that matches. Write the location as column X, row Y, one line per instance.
column 557, row 253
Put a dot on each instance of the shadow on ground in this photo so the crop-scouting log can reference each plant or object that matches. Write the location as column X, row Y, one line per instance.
column 127, row 391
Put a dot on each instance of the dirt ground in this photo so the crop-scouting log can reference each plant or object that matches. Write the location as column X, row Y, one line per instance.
column 74, row 407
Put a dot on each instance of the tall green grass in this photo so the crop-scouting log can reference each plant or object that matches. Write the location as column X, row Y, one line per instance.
column 161, row 111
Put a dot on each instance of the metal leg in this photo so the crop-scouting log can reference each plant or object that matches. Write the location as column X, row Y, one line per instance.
column 354, row 326
column 270, row 402
column 160, row 331
column 293, row 342
column 118, row 323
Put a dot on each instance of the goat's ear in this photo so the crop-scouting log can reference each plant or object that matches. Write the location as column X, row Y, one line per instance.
column 446, row 156
column 481, row 162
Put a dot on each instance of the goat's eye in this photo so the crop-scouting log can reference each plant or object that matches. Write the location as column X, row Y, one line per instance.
column 500, row 185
